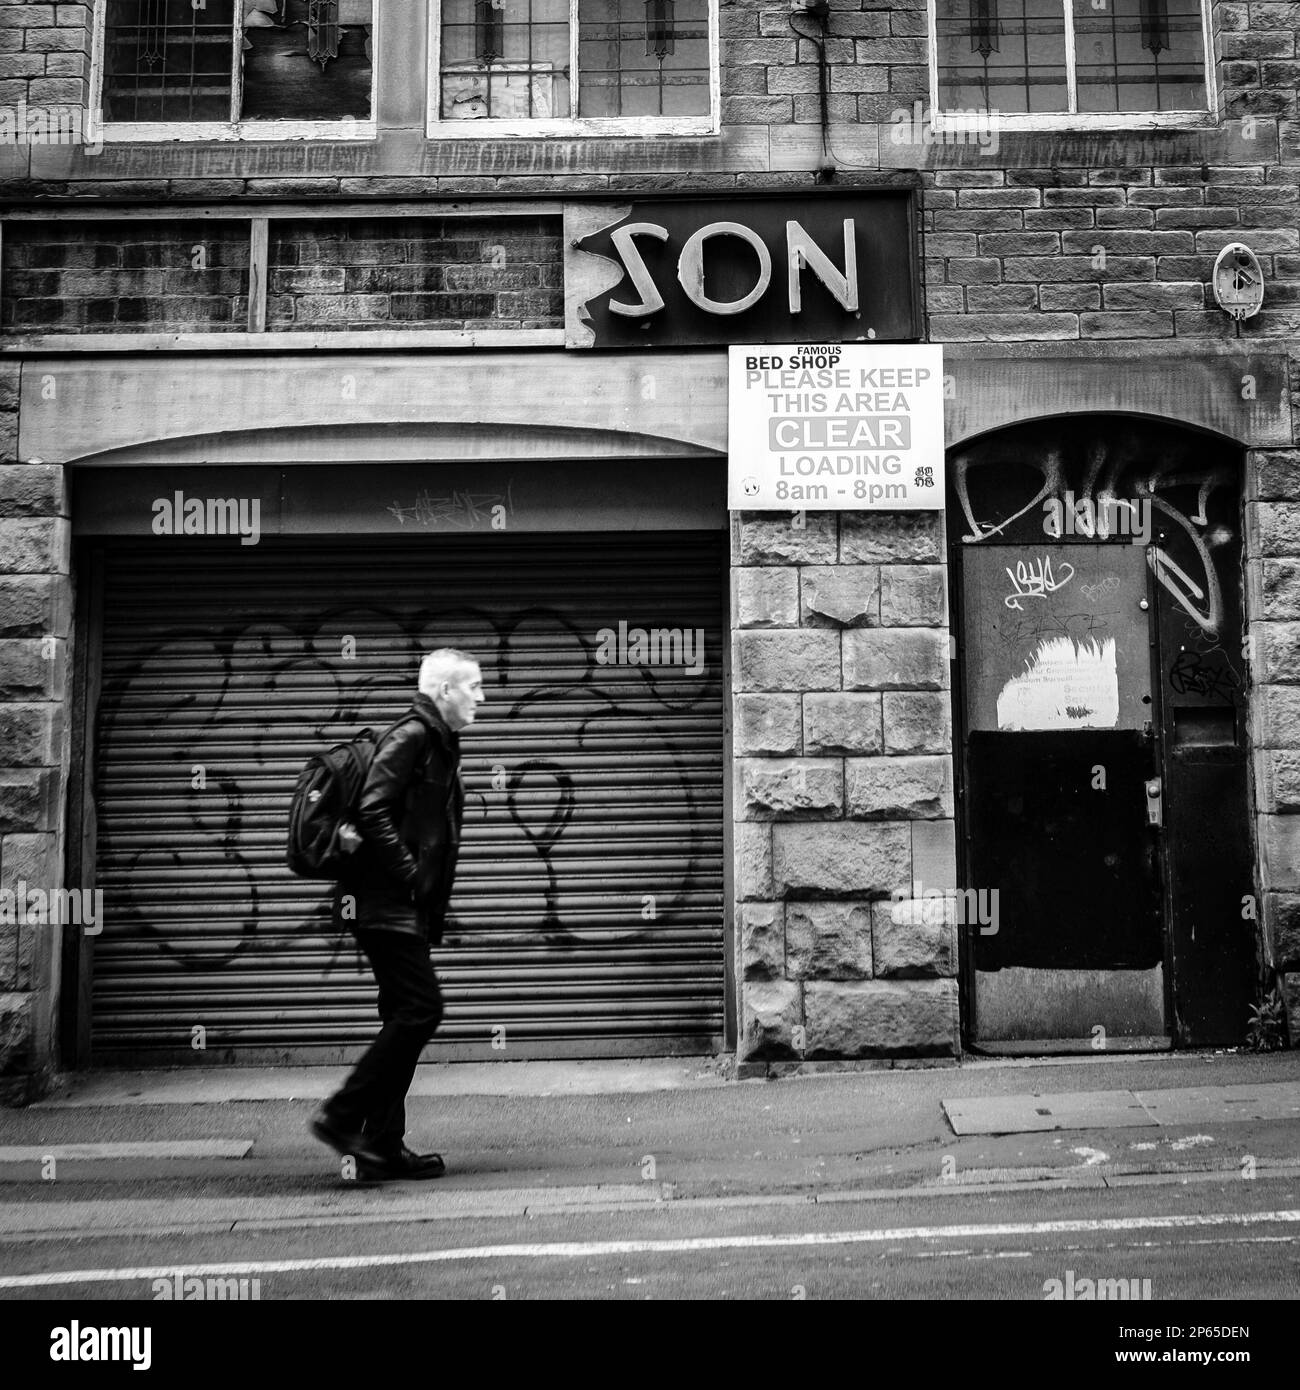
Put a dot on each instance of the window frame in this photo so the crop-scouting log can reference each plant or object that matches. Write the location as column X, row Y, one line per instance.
column 171, row 132
column 436, row 128
column 1010, row 121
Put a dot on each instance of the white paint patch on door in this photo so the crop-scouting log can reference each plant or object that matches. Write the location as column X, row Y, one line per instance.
column 1065, row 685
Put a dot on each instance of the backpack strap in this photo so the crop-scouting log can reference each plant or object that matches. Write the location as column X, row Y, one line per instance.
column 394, row 726
column 422, row 766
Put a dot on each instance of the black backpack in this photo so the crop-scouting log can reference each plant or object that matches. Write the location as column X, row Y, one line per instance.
column 324, row 800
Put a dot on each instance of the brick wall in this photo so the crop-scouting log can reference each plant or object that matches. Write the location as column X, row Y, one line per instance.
column 416, row 273
column 843, row 793
column 119, row 277
column 171, row 277
column 1061, row 254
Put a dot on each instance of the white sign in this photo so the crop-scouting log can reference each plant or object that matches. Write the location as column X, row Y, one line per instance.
column 1065, row 685
column 854, row 426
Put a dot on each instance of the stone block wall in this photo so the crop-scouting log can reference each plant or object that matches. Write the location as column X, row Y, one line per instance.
column 843, row 786
column 44, row 53
column 35, row 614
column 876, row 51
column 1273, row 609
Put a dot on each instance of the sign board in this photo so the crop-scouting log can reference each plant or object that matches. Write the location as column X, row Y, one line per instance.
column 1056, row 637
column 835, row 427
column 697, row 271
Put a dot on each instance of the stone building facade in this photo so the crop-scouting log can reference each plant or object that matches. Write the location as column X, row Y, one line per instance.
column 1066, row 270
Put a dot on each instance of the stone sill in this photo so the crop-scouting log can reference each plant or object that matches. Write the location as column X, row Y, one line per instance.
column 1128, row 349
column 394, row 340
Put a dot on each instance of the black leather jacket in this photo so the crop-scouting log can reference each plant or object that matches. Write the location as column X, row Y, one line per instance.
column 411, row 809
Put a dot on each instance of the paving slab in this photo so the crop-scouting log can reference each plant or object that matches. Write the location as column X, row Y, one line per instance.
column 1194, row 1105
column 1186, row 1105
column 1026, row 1114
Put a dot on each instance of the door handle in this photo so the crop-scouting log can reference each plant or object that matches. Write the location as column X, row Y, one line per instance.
column 1154, row 813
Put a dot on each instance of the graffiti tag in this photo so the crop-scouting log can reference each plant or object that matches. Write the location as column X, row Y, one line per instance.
column 1034, row 580
column 1191, row 674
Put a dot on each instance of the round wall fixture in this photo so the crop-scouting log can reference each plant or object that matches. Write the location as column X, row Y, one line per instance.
column 1238, row 281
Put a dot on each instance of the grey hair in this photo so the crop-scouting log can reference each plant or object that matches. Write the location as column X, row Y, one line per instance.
column 442, row 665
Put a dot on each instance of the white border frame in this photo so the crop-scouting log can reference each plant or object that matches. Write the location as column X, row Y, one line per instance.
column 628, row 127
column 1009, row 122
column 160, row 132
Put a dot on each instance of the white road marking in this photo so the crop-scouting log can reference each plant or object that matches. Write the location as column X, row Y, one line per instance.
column 1190, row 1141
column 1110, row 1245
column 579, row 1250
column 163, row 1148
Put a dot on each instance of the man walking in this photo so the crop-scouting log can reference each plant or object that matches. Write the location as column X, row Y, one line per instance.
column 399, row 883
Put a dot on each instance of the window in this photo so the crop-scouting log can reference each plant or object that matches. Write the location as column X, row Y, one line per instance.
column 573, row 67
column 1134, row 62
column 205, row 69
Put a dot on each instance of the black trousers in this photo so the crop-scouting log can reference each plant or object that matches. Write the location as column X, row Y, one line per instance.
column 373, row 1098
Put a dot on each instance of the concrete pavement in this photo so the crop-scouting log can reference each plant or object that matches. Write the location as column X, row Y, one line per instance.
column 212, row 1085
column 142, row 1170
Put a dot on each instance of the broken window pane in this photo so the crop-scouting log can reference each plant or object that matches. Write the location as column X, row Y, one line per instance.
column 232, row 60
column 505, row 59
column 306, row 61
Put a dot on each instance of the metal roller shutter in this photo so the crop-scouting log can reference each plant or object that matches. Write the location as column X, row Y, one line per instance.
column 587, row 918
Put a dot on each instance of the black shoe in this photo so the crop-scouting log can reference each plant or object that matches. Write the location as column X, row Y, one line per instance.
column 328, row 1131
column 403, row 1165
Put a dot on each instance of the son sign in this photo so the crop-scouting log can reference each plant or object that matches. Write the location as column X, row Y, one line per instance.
column 853, row 426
